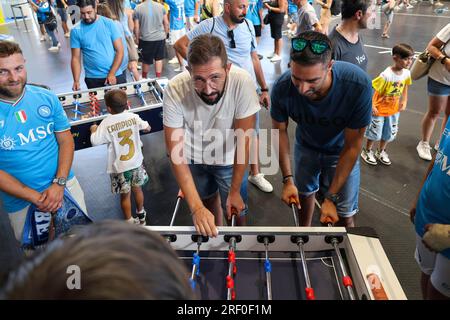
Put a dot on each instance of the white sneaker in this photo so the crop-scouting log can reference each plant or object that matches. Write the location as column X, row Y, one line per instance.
column 261, row 182
column 141, row 216
column 409, row 6
column 54, row 49
column 424, row 150
column 436, row 146
column 42, row 38
column 275, row 58
column 270, row 56
column 174, row 60
column 438, row 4
column 401, row 5
column 368, row 157
column 67, row 34
column 383, row 157
column 133, row 221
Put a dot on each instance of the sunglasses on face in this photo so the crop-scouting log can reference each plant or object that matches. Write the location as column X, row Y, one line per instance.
column 316, row 46
column 230, row 34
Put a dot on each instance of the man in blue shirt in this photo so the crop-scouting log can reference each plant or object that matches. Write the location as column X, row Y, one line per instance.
column 254, row 14
column 36, row 145
column 431, row 217
column 332, row 104
column 191, row 8
column 177, row 29
column 99, row 40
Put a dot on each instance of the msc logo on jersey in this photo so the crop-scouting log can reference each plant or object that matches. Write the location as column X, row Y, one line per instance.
column 44, row 111
column 21, row 116
column 7, row 143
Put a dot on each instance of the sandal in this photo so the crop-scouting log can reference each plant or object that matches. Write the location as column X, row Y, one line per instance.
column 385, row 36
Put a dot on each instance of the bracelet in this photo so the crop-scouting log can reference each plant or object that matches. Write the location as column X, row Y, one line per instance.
column 285, row 178
column 264, row 89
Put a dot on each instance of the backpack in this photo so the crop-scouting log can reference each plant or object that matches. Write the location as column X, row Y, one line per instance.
column 335, row 7
column 246, row 22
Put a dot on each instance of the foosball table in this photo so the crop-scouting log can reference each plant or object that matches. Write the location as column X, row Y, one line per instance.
column 85, row 108
column 265, row 263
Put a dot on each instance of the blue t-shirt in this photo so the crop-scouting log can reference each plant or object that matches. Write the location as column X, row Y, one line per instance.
column 321, row 124
column 43, row 10
column 253, row 11
column 96, row 43
column 28, row 146
column 176, row 14
column 189, row 7
column 434, row 199
column 292, row 7
column 244, row 38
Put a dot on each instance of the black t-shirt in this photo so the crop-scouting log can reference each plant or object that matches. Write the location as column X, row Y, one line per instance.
column 344, row 50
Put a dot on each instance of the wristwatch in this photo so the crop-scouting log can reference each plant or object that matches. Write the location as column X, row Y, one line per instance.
column 61, row 181
column 333, row 197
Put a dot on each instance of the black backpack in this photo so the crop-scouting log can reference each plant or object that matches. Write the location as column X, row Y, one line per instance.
column 335, row 7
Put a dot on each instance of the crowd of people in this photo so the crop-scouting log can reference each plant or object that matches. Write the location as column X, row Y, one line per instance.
column 221, row 87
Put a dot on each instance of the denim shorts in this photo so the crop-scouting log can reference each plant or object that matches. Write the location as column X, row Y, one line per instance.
column 383, row 128
column 436, row 88
column 63, row 14
column 314, row 171
column 209, row 179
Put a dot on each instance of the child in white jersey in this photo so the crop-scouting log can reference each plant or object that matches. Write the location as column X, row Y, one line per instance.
column 120, row 130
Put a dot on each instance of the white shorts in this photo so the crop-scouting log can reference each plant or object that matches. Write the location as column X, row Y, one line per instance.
column 174, row 35
column 17, row 219
column 435, row 265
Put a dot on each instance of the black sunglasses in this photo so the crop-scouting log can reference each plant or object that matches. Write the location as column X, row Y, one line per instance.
column 230, row 34
column 316, row 46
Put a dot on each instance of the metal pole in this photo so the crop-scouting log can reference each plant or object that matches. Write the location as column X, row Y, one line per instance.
column 268, row 269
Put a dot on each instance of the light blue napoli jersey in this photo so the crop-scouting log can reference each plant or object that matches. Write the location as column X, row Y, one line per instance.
column 176, row 14
column 434, row 198
column 253, row 11
column 96, row 43
column 292, row 7
column 189, row 7
column 28, row 145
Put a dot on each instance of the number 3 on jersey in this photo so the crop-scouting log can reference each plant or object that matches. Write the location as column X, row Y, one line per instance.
column 125, row 135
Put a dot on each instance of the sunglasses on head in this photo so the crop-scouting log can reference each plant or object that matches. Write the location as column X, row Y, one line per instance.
column 316, row 46
column 230, row 34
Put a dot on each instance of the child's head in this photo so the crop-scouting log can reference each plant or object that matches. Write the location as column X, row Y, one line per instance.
column 116, row 101
column 403, row 55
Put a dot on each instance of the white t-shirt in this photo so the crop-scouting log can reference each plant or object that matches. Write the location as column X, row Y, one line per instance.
column 209, row 134
column 121, row 133
column 438, row 72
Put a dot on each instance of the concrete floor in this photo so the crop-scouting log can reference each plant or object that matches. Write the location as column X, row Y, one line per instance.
column 386, row 193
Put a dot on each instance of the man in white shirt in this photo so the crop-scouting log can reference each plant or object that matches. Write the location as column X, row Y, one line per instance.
column 205, row 109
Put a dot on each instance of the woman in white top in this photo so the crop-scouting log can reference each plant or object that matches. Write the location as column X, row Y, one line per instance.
column 438, row 90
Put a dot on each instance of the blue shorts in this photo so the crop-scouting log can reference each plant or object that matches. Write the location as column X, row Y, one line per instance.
column 209, row 179
column 315, row 170
column 63, row 14
column 383, row 128
column 436, row 88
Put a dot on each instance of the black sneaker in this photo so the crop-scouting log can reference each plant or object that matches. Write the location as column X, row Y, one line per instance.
column 141, row 216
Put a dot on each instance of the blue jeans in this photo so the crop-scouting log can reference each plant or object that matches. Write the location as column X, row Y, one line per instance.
column 315, row 170
column 209, row 179
column 51, row 35
column 383, row 128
